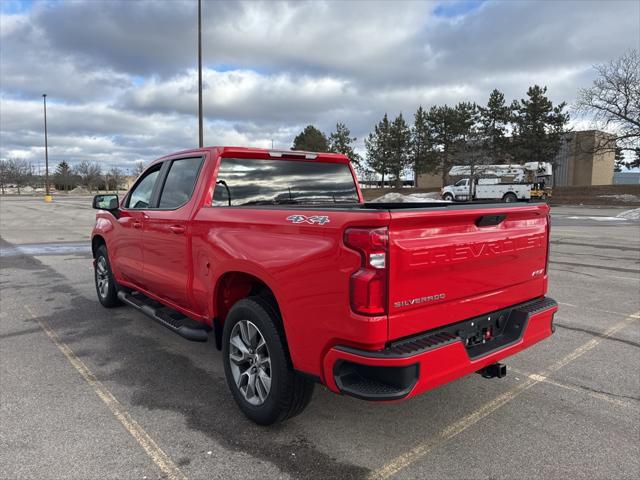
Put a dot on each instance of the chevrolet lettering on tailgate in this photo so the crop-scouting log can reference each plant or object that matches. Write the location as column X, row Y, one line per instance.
column 470, row 251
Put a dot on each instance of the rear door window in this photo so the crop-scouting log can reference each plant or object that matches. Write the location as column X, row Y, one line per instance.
column 181, row 179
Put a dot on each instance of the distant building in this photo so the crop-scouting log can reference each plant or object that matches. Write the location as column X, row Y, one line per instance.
column 577, row 163
column 127, row 181
column 428, row 180
column 626, row 178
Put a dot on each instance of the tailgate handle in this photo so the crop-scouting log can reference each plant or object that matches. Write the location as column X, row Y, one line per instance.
column 490, row 220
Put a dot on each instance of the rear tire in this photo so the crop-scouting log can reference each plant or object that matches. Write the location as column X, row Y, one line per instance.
column 509, row 198
column 106, row 286
column 257, row 364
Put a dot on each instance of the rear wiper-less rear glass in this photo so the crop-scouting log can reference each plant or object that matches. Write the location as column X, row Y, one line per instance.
column 295, row 201
column 242, row 182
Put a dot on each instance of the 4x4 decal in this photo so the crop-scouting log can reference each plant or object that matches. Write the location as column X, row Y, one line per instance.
column 314, row 220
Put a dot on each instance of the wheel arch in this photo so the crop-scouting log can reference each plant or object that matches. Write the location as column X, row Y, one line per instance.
column 509, row 195
column 236, row 285
column 96, row 242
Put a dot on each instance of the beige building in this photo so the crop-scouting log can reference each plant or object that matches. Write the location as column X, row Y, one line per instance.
column 582, row 160
column 578, row 163
column 429, row 180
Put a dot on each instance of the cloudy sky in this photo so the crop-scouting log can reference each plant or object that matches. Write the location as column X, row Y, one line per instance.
column 122, row 87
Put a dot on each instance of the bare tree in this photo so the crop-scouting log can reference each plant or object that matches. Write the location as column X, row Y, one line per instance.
column 18, row 172
column 613, row 102
column 90, row 173
column 4, row 174
column 114, row 179
column 138, row 168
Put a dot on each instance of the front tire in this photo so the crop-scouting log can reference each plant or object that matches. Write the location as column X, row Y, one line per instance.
column 106, row 286
column 448, row 197
column 257, row 364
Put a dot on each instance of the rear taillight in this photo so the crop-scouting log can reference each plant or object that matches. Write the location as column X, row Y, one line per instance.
column 369, row 284
column 546, row 265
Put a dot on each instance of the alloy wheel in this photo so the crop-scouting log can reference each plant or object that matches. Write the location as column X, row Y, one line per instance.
column 102, row 276
column 250, row 362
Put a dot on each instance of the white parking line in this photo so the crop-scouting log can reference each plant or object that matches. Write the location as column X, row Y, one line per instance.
column 637, row 279
column 573, row 388
column 151, row 448
column 611, row 312
column 419, row 451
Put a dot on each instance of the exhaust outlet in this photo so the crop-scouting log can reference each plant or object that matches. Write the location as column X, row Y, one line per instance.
column 496, row 370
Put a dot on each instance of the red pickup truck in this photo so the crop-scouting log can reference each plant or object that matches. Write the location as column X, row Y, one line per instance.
column 276, row 255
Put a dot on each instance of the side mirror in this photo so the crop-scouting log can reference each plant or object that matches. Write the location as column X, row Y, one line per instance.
column 106, row 202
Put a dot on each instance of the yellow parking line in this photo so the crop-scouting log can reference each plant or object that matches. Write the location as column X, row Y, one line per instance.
column 406, row 459
column 151, row 448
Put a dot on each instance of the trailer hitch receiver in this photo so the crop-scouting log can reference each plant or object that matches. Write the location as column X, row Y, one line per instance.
column 495, row 370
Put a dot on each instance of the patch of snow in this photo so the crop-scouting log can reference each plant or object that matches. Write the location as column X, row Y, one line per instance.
column 79, row 190
column 396, row 197
column 630, row 214
column 633, row 214
column 624, row 197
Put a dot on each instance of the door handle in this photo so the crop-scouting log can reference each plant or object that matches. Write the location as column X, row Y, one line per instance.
column 136, row 225
column 177, row 229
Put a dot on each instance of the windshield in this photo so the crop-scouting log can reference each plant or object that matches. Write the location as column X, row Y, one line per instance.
column 274, row 182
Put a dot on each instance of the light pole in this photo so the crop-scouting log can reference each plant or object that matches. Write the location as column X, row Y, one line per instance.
column 200, row 136
column 47, row 197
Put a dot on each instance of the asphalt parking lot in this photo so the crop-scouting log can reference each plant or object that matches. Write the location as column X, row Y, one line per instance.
column 93, row 393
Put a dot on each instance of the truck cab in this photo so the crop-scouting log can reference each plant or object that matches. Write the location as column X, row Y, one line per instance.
column 457, row 191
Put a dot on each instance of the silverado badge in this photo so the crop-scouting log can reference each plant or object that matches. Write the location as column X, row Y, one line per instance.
column 419, row 300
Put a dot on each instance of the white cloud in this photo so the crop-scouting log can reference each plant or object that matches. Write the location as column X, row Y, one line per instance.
column 122, row 86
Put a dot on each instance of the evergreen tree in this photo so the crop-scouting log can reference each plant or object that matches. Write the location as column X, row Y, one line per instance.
column 441, row 122
column 423, row 159
column 62, row 176
column 311, row 139
column 378, row 145
column 465, row 115
column 494, row 119
column 341, row 141
column 450, row 126
column 538, row 127
column 635, row 163
column 619, row 160
column 468, row 147
column 399, row 149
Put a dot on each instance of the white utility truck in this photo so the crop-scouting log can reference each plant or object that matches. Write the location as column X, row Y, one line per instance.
column 508, row 183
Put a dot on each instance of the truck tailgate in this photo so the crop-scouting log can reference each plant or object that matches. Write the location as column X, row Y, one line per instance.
column 452, row 263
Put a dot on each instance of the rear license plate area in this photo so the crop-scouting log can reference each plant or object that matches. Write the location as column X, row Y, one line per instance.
column 483, row 334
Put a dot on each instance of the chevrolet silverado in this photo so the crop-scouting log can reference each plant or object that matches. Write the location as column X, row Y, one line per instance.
column 276, row 256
